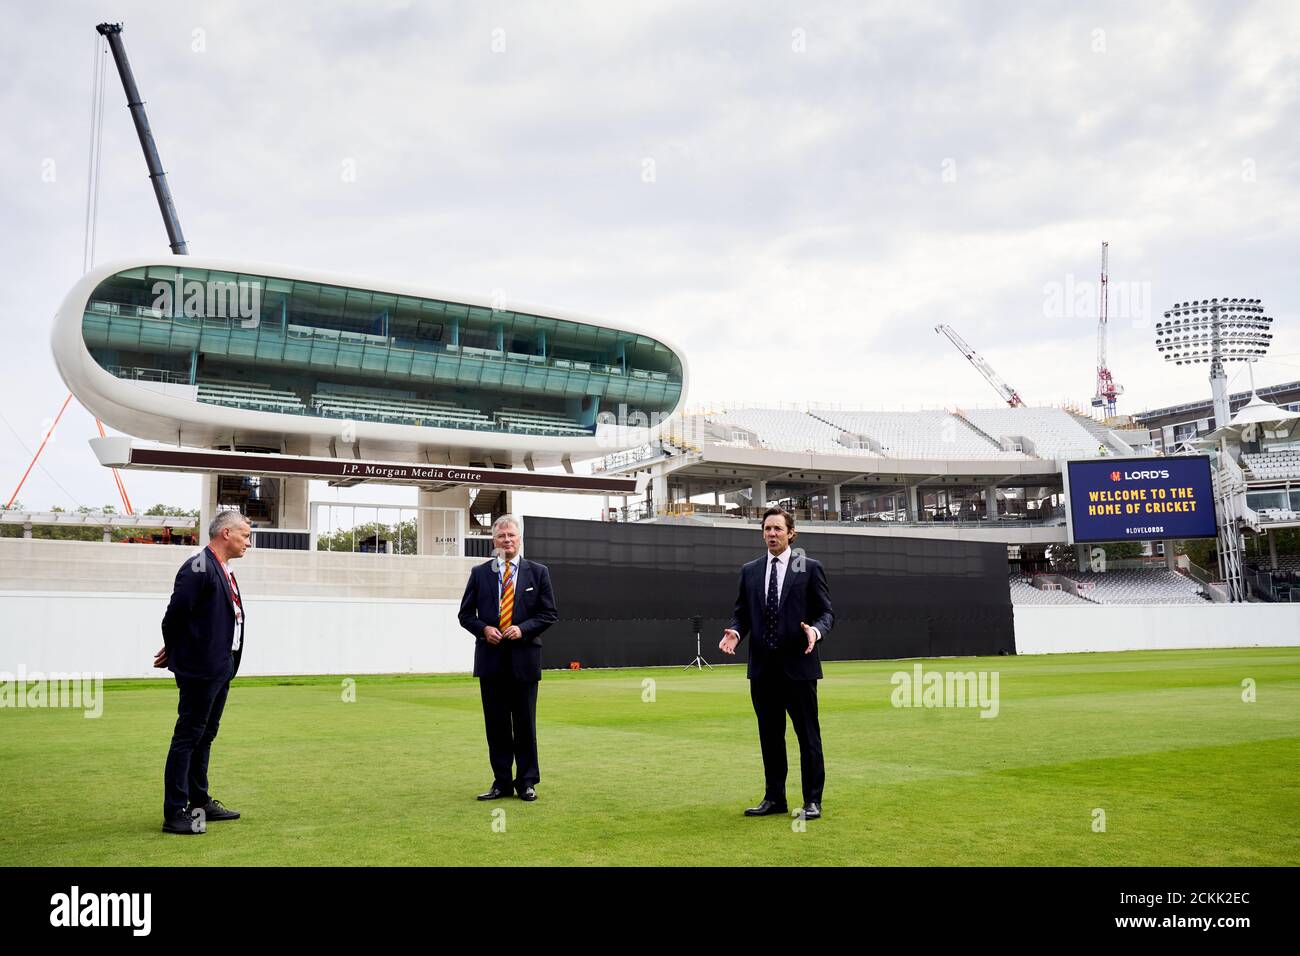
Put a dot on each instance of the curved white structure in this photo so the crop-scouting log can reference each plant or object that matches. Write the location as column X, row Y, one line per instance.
column 226, row 353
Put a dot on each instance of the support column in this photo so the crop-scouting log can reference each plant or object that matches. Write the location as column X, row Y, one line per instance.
column 1219, row 389
column 1171, row 559
column 759, row 497
column 1081, row 556
column 108, row 534
column 991, row 502
column 911, row 502
column 1272, row 549
column 835, row 499
column 207, row 506
column 27, row 529
column 293, row 503
column 659, row 493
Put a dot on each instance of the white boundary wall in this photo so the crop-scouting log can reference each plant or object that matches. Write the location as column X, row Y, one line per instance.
column 1059, row 629
column 117, row 633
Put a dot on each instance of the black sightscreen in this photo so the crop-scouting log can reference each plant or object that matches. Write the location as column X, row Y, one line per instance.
column 627, row 592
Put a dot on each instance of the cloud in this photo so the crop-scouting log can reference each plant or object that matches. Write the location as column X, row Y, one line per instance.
column 829, row 182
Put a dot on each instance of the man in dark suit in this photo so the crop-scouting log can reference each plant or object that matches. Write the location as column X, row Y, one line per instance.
column 203, row 641
column 779, row 594
column 508, row 603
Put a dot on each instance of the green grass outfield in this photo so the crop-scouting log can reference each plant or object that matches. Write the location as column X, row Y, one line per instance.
column 1186, row 772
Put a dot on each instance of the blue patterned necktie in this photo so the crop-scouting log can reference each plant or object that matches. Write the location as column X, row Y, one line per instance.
column 769, row 609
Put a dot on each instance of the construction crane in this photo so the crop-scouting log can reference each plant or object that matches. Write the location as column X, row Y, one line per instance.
column 112, row 32
column 1107, row 390
column 1007, row 393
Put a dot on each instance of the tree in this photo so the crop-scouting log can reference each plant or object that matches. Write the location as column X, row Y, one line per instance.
column 95, row 532
column 1203, row 552
column 402, row 537
column 172, row 511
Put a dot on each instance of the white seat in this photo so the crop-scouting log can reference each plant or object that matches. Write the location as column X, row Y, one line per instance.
column 1055, row 433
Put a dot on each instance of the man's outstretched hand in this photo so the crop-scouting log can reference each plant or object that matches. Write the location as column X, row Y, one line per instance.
column 729, row 641
column 809, row 632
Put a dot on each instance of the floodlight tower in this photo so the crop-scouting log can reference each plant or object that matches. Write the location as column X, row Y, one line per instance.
column 1215, row 331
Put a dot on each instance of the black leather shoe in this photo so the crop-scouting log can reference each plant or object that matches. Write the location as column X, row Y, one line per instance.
column 812, row 811
column 528, row 793
column 181, row 822
column 765, row 809
column 495, row 793
column 215, row 811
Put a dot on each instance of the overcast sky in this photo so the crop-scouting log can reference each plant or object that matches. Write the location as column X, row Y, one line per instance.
column 794, row 194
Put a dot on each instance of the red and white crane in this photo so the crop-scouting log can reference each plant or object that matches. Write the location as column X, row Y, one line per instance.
column 1003, row 389
column 1107, row 389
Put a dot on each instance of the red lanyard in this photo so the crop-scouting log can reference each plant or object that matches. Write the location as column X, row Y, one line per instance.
column 234, row 591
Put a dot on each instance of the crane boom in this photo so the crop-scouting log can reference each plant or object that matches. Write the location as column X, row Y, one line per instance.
column 112, row 32
column 1007, row 393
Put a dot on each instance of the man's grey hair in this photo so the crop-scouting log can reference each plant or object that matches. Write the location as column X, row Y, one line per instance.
column 505, row 520
column 225, row 519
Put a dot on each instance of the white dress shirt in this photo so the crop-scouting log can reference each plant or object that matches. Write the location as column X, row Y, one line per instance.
column 235, row 602
column 500, row 567
column 782, row 565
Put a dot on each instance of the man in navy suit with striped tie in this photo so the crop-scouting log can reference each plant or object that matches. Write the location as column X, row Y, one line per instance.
column 785, row 601
column 508, row 603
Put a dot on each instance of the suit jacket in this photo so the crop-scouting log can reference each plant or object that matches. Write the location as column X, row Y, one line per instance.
column 199, row 625
column 805, row 597
column 534, row 612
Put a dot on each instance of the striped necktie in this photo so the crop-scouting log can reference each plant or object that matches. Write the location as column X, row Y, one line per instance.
column 507, row 597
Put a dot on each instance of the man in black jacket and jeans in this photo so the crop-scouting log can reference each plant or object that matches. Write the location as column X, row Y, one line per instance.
column 203, row 640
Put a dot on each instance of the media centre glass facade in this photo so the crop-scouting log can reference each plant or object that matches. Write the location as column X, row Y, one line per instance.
column 269, row 344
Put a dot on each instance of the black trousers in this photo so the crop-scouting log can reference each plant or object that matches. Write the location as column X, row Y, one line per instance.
column 510, row 718
column 775, row 696
column 198, row 717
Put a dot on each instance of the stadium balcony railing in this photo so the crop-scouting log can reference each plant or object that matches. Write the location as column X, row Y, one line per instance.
column 1275, row 585
column 133, row 374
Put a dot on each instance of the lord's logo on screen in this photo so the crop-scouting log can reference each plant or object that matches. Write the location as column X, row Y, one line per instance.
column 1134, row 475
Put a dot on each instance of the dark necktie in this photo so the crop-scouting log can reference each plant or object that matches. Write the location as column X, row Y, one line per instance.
column 769, row 610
